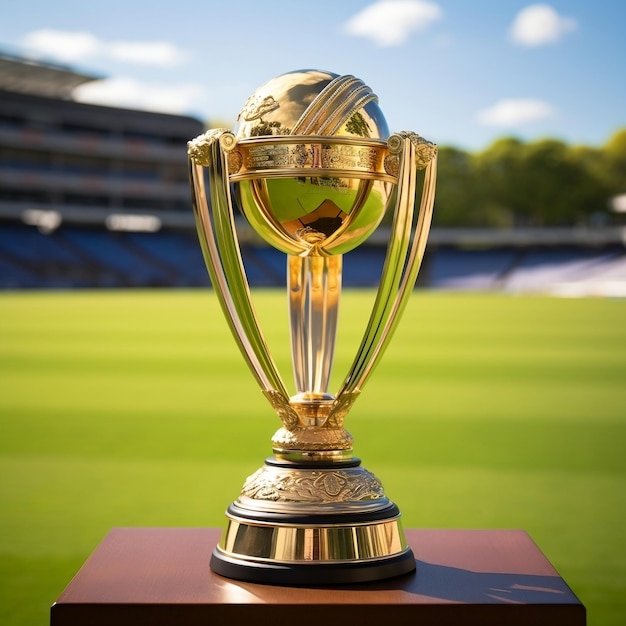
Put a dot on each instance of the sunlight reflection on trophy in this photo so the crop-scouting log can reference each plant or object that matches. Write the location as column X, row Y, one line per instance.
column 313, row 169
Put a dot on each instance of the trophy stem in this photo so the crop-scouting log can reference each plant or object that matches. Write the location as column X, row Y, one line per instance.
column 314, row 286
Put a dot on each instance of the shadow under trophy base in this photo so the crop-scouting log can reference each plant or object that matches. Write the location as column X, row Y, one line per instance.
column 313, row 169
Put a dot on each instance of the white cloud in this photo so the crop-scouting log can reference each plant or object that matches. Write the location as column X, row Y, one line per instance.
column 514, row 112
column 134, row 94
column 391, row 22
column 155, row 53
column 69, row 46
column 540, row 24
column 64, row 46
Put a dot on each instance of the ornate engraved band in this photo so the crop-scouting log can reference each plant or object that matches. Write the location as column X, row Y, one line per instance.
column 312, row 486
column 284, row 157
column 287, row 156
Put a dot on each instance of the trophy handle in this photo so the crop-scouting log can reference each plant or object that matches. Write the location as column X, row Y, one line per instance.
column 222, row 254
column 402, row 262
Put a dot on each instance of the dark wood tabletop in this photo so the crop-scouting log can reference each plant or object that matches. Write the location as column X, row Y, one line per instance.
column 161, row 576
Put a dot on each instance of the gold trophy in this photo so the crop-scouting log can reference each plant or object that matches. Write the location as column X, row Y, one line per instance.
column 313, row 169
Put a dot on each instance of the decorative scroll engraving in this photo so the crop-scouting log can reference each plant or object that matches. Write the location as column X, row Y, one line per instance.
column 285, row 411
column 392, row 165
column 255, row 108
column 199, row 149
column 425, row 150
column 312, row 439
column 357, row 125
column 340, row 409
column 235, row 161
column 307, row 486
column 327, row 156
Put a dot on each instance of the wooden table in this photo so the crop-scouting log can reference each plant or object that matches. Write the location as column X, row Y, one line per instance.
column 161, row 576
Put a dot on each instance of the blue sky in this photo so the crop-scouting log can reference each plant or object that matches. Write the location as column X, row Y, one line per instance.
column 458, row 72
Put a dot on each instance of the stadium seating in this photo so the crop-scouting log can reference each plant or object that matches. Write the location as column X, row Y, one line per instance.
column 177, row 252
column 469, row 269
column 545, row 270
column 78, row 257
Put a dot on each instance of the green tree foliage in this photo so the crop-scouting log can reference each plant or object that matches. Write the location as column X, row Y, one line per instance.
column 539, row 183
column 456, row 168
column 615, row 163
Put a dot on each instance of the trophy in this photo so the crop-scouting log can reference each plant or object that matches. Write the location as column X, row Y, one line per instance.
column 313, row 169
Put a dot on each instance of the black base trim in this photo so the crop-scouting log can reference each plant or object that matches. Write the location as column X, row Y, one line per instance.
column 316, row 465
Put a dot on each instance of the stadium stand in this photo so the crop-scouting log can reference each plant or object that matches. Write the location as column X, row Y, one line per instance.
column 570, row 271
column 80, row 257
column 539, row 269
column 73, row 257
column 470, row 269
column 94, row 196
column 86, row 257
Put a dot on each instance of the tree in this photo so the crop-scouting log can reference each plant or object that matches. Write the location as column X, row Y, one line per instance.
column 539, row 183
column 455, row 201
column 498, row 172
column 542, row 183
column 558, row 188
column 615, row 172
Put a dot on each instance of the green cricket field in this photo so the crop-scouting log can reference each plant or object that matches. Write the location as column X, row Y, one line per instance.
column 135, row 408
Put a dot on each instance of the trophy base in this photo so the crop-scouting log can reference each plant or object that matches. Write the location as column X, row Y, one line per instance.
column 319, row 524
